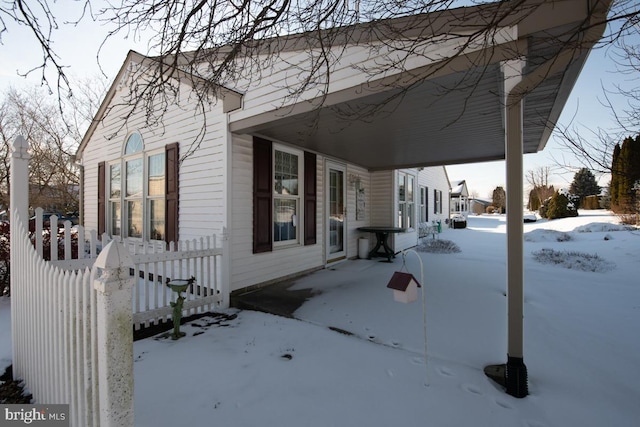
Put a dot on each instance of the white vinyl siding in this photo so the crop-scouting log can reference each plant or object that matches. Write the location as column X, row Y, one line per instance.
column 247, row 268
column 202, row 180
column 435, row 178
column 358, row 179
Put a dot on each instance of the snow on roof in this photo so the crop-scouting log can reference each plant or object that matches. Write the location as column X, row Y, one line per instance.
column 457, row 187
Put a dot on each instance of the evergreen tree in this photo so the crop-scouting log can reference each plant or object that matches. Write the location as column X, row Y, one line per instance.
column 584, row 184
column 500, row 199
column 615, row 176
column 625, row 172
column 560, row 205
column 538, row 195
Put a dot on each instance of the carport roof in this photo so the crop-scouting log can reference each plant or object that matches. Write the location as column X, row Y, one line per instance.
column 454, row 115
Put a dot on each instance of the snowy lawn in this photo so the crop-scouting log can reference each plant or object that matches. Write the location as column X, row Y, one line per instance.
column 581, row 342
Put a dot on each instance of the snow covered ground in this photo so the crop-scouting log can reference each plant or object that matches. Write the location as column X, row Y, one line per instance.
column 581, row 342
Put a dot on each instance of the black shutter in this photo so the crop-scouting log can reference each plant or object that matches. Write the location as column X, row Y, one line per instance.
column 171, row 166
column 262, row 196
column 102, row 210
column 426, row 203
column 310, row 198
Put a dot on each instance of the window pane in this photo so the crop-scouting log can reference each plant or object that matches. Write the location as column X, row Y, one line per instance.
column 115, row 219
column 423, row 204
column 134, row 218
column 409, row 189
column 134, row 144
column 134, row 178
column 156, row 219
column 285, row 173
column 115, row 184
column 401, row 188
column 410, row 215
column 156, row 175
column 402, row 214
column 284, row 220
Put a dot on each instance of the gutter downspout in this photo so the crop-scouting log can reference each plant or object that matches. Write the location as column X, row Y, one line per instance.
column 514, row 375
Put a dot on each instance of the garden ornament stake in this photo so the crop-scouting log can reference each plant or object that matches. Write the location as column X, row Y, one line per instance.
column 179, row 286
column 424, row 305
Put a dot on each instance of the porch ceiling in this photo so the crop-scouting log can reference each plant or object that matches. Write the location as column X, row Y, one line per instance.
column 453, row 119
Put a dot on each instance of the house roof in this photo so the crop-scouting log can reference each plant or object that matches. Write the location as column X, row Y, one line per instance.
column 450, row 111
column 459, row 188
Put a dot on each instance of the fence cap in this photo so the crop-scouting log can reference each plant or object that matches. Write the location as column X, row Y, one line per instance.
column 113, row 256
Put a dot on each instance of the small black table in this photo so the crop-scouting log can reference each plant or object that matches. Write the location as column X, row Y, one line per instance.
column 382, row 234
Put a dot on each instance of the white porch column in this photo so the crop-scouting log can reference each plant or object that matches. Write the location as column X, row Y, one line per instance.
column 516, row 371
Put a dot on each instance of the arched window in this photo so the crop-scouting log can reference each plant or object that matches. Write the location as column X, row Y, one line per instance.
column 137, row 192
column 133, row 144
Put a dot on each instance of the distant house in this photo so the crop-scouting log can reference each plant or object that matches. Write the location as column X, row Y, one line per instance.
column 478, row 206
column 459, row 196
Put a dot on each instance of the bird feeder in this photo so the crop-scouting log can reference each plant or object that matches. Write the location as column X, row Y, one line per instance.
column 405, row 287
column 178, row 286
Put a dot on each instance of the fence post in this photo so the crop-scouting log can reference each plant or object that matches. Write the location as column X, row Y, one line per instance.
column 19, row 180
column 225, row 276
column 115, row 336
column 19, row 204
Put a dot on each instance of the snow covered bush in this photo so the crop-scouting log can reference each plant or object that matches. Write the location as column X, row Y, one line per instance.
column 573, row 260
column 438, row 246
column 561, row 205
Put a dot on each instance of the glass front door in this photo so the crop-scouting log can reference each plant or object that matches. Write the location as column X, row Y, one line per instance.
column 336, row 209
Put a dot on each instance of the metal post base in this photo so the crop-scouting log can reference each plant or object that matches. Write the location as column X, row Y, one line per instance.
column 516, row 377
column 512, row 376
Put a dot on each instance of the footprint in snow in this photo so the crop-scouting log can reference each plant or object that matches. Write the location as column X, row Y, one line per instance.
column 503, row 404
column 446, row 372
column 472, row 389
column 417, row 361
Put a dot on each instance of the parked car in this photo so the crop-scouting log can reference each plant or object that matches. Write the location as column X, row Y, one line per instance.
column 458, row 221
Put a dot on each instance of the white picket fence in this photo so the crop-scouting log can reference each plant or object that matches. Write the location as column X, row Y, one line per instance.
column 54, row 330
column 69, row 345
column 155, row 263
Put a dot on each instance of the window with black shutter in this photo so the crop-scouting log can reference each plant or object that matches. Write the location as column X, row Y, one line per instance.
column 284, row 196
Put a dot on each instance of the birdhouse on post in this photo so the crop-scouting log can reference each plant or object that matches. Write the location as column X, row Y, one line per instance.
column 405, row 287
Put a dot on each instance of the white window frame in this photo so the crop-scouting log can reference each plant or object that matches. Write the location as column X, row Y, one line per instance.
column 423, row 204
column 298, row 216
column 406, row 200
column 144, row 198
column 437, row 201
